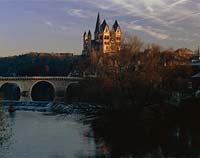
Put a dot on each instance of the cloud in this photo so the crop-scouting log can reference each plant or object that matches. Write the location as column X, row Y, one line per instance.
column 158, row 11
column 77, row 13
column 183, row 39
column 178, row 3
column 64, row 28
column 57, row 27
column 148, row 30
column 187, row 16
column 165, row 14
column 49, row 23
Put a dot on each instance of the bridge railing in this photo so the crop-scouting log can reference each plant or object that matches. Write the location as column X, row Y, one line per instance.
column 39, row 78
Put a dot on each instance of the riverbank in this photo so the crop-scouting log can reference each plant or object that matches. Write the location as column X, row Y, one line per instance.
column 157, row 130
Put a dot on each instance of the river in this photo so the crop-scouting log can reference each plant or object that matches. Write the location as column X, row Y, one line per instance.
column 37, row 135
column 33, row 134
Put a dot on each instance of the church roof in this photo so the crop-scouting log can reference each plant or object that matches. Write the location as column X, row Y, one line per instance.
column 89, row 33
column 98, row 23
column 115, row 25
column 103, row 25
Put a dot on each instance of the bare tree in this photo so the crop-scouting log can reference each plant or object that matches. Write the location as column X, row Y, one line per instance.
column 132, row 43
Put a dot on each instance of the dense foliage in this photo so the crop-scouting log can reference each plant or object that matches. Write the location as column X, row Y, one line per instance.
column 36, row 64
column 138, row 75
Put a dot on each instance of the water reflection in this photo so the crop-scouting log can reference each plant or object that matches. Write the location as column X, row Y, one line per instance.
column 5, row 130
column 110, row 136
column 127, row 136
column 47, row 136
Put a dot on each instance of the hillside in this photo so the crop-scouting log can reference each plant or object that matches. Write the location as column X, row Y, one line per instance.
column 36, row 64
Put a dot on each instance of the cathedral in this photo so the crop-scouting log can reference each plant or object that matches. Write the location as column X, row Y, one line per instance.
column 105, row 40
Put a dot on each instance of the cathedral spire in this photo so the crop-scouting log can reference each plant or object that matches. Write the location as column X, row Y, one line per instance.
column 98, row 24
column 103, row 25
column 115, row 25
column 85, row 36
column 89, row 34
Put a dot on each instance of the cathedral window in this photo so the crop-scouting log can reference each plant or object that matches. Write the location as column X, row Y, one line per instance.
column 118, row 38
column 106, row 37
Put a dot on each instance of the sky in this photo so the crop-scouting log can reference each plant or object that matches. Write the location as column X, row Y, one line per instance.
column 58, row 25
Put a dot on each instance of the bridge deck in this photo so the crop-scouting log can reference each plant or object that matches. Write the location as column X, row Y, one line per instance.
column 40, row 78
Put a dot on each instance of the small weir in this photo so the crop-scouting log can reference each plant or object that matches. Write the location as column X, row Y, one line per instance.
column 56, row 107
column 26, row 106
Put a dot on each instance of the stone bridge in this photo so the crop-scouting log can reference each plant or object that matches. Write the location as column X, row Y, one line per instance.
column 32, row 88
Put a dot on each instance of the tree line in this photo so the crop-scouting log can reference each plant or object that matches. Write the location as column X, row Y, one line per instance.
column 36, row 64
column 139, row 74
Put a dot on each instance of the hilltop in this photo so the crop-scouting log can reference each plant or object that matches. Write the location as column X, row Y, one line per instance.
column 36, row 64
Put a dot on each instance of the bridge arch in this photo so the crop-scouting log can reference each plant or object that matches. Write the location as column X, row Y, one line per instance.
column 72, row 92
column 43, row 91
column 10, row 91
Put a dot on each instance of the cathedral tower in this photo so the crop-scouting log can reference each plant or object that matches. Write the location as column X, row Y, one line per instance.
column 106, row 45
column 116, row 37
column 105, row 40
column 97, row 28
column 85, row 39
column 89, row 41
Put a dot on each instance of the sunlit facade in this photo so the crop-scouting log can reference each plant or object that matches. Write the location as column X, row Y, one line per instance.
column 105, row 40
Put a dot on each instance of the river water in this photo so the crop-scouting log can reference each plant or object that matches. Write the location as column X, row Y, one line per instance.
column 33, row 134
column 37, row 135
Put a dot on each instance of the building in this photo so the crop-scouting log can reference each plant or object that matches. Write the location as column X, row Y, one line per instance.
column 105, row 40
column 185, row 53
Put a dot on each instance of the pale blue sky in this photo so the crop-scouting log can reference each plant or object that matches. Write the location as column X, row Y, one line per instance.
column 58, row 25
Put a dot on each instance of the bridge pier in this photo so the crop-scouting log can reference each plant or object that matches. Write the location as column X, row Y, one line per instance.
column 24, row 99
